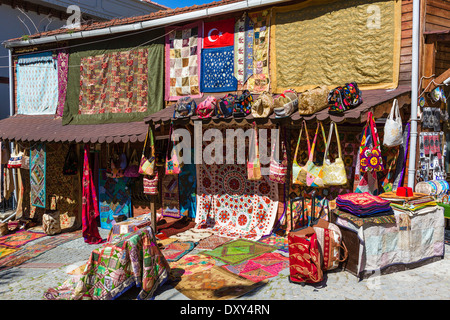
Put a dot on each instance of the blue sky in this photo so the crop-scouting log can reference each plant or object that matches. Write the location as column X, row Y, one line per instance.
column 181, row 3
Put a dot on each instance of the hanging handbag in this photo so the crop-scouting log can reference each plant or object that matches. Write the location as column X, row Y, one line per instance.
column 285, row 104
column 299, row 172
column 263, row 106
column 334, row 174
column 393, row 128
column 278, row 168
column 207, row 108
column 352, row 96
column 172, row 163
column 15, row 161
column 253, row 165
column 312, row 101
column 151, row 184
column 123, row 161
column 147, row 165
column 314, row 173
column 185, row 107
column 364, row 181
column 370, row 150
column 25, row 161
column 132, row 170
column 243, row 105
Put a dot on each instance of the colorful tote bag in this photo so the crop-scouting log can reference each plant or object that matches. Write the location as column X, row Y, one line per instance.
column 147, row 164
column 299, row 172
column 151, row 184
column 314, row 173
column 278, row 168
column 254, row 165
column 172, row 163
column 334, row 174
column 370, row 150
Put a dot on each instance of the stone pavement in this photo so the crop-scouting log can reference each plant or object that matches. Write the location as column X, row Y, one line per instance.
column 429, row 282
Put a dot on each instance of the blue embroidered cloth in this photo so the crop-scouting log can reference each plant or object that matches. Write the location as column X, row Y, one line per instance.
column 217, row 72
column 37, row 84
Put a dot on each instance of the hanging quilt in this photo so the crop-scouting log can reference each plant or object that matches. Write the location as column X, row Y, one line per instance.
column 217, row 73
column 63, row 69
column 243, row 49
column 307, row 48
column 260, row 81
column 38, row 175
column 37, row 84
column 114, row 199
column 182, row 61
column 115, row 82
column 219, row 33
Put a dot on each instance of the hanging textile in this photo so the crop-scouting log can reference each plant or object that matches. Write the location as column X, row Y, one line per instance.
column 243, row 49
column 63, row 69
column 217, row 72
column 308, row 49
column 114, row 199
column 182, row 61
column 89, row 203
column 187, row 184
column 259, row 81
column 37, row 84
column 38, row 175
column 170, row 196
column 115, row 82
column 118, row 81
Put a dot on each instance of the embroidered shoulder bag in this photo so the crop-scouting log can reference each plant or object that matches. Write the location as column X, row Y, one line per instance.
column 147, row 164
column 299, row 172
column 334, row 174
column 314, row 173
column 207, row 108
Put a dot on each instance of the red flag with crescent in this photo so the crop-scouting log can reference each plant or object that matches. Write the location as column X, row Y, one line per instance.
column 218, row 33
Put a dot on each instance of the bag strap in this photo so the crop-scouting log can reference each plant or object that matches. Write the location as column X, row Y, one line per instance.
column 255, row 134
column 299, row 138
column 311, row 153
column 149, row 133
column 333, row 124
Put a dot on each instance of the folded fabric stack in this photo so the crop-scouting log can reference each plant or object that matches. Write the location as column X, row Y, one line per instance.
column 363, row 204
column 415, row 206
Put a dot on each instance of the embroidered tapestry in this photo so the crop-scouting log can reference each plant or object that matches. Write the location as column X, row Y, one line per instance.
column 170, row 206
column 38, row 175
column 37, row 84
column 63, row 69
column 114, row 199
column 182, row 61
column 243, row 49
column 307, row 48
column 115, row 82
column 260, row 81
column 217, row 74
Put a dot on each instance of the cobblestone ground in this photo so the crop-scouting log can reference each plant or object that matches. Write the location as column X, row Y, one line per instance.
column 429, row 282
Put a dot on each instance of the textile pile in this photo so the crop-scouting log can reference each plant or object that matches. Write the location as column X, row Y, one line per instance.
column 364, row 204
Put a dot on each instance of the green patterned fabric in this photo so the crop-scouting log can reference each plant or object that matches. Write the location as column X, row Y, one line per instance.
column 155, row 78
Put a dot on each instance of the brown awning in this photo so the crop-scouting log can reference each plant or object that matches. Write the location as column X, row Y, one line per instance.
column 48, row 129
column 371, row 98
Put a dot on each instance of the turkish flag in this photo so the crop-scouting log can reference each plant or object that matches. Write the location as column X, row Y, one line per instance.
column 218, row 33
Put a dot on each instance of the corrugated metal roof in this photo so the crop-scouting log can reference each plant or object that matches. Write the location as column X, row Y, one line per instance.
column 48, row 129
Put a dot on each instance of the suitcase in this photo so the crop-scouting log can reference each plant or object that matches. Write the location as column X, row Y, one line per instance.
column 304, row 253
